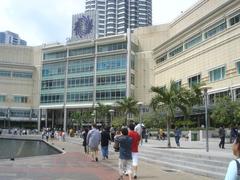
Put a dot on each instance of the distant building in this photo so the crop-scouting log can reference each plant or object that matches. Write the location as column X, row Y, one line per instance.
column 114, row 17
column 19, row 85
column 9, row 37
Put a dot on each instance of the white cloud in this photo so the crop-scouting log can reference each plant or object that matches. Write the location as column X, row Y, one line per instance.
column 40, row 21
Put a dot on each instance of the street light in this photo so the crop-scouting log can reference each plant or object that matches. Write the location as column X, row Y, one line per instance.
column 111, row 111
column 140, row 104
column 93, row 115
column 205, row 90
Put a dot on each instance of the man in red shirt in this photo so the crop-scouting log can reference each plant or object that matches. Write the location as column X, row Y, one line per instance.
column 135, row 142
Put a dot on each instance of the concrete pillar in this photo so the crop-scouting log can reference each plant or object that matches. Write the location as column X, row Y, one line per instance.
column 39, row 120
column 46, row 119
column 52, row 118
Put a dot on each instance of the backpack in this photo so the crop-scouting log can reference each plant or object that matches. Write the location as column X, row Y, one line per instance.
column 238, row 167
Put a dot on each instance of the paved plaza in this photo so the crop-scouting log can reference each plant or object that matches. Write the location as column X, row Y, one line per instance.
column 74, row 164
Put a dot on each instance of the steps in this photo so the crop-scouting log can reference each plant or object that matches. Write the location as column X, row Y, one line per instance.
column 200, row 164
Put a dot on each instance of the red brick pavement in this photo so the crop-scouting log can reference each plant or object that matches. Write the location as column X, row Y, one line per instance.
column 71, row 165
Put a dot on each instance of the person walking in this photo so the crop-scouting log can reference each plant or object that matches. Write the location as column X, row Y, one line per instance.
column 134, row 148
column 177, row 134
column 125, row 154
column 93, row 141
column 233, row 171
column 222, row 134
column 105, row 138
column 84, row 135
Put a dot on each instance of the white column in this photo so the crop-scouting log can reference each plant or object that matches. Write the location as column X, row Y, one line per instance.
column 39, row 119
column 128, row 74
column 65, row 95
column 95, row 81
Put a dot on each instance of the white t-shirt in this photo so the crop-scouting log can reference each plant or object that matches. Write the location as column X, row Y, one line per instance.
column 232, row 171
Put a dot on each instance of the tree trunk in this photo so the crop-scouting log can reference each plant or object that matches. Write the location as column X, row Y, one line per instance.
column 126, row 119
column 168, row 133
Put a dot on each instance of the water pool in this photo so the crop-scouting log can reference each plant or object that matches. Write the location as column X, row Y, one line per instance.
column 14, row 148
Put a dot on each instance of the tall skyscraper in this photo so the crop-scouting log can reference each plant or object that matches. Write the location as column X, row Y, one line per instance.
column 115, row 16
column 9, row 37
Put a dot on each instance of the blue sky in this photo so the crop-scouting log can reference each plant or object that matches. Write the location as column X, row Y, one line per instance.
column 45, row 21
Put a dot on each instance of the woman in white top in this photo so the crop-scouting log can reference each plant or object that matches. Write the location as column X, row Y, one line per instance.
column 233, row 172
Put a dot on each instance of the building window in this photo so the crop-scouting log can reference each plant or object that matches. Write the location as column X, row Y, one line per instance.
column 111, row 79
column 20, row 99
column 22, row 75
column 176, row 51
column 162, row 58
column 80, row 66
column 53, row 69
column 80, row 96
column 192, row 81
column 113, row 94
column 112, row 47
column 213, row 97
column 178, row 83
column 132, row 62
column 52, row 98
column 81, row 51
column 54, row 55
column 215, row 29
column 80, row 81
column 238, row 67
column 217, row 74
column 234, row 20
column 193, row 41
column 111, row 62
column 132, row 79
column 20, row 113
column 4, row 73
column 53, row 84
column 2, row 98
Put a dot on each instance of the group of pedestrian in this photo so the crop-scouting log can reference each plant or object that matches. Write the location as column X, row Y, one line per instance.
column 126, row 142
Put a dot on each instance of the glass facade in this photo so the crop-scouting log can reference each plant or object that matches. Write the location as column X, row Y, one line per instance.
column 217, row 74
column 81, row 51
column 52, row 98
column 112, row 47
column 53, row 69
column 53, row 84
column 80, row 96
column 111, row 79
column 112, row 62
column 110, row 75
column 4, row 73
column 54, row 55
column 80, row 66
column 80, row 81
column 113, row 94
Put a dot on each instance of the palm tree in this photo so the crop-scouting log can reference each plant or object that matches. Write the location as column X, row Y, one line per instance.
column 189, row 98
column 103, row 111
column 166, row 99
column 127, row 106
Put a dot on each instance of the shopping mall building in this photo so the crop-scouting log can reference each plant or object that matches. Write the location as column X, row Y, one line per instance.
column 202, row 45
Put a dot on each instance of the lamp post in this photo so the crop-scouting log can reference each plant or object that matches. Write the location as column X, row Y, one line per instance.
column 205, row 90
column 140, row 104
column 111, row 111
column 93, row 115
